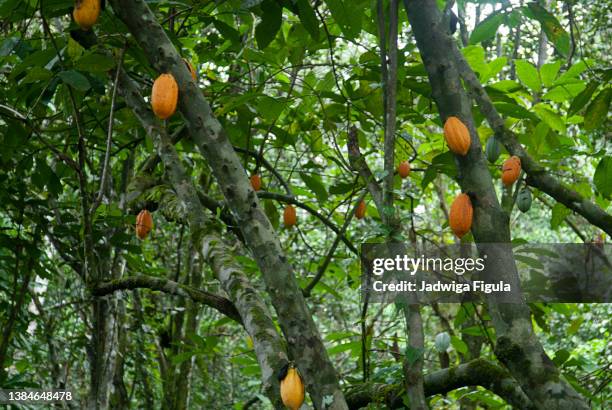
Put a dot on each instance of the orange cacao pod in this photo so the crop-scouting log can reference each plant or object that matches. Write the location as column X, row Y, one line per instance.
column 461, row 213
column 403, row 169
column 292, row 389
column 164, row 96
column 86, row 13
column 144, row 224
column 511, row 170
column 289, row 216
column 191, row 69
column 360, row 211
column 457, row 136
column 256, row 182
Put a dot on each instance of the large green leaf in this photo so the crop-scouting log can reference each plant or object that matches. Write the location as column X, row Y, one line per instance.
column 603, row 177
column 554, row 120
column 270, row 23
column 314, row 183
column 487, row 28
column 551, row 26
column 583, row 98
column 528, row 75
column 75, row 79
column 308, row 18
column 347, row 14
column 549, row 71
column 559, row 213
column 597, row 112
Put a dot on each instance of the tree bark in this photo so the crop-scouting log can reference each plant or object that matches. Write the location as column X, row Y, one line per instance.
column 517, row 345
column 479, row 372
column 304, row 342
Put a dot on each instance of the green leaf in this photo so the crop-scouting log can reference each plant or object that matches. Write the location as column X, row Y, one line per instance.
column 551, row 118
column 315, row 185
column 561, row 357
column 459, row 345
column 270, row 23
column 597, row 112
column 582, row 98
column 269, row 108
column 272, row 213
column 487, row 28
column 528, row 74
column 559, row 213
column 308, row 18
column 551, row 26
column 75, row 79
column 549, row 72
column 564, row 92
column 603, row 177
column 575, row 325
column 37, row 74
column 514, row 110
column 340, row 188
column 95, row 62
column 475, row 56
column 347, row 14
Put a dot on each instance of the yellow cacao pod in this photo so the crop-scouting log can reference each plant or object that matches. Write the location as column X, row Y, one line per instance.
column 256, row 182
column 292, row 389
column 457, row 136
column 164, row 96
column 511, row 170
column 86, row 13
column 461, row 214
column 360, row 211
column 289, row 216
column 144, row 224
column 403, row 169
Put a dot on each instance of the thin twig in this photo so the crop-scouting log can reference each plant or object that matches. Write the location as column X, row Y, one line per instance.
column 109, row 139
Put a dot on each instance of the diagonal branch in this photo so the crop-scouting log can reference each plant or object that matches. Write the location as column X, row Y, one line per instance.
column 223, row 305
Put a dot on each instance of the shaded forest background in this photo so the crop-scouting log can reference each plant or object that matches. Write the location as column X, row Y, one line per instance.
column 322, row 100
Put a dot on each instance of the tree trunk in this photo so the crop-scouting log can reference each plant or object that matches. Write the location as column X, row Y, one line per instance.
column 303, row 339
column 517, row 345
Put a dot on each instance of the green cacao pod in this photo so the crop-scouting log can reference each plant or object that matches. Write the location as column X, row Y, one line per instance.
column 493, row 150
column 523, row 201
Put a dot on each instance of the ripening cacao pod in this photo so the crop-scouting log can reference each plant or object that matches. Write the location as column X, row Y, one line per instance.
column 144, row 224
column 292, row 388
column 256, row 182
column 191, row 69
column 493, row 150
column 86, row 13
column 164, row 96
column 511, row 170
column 461, row 213
column 523, row 200
column 289, row 216
column 403, row 169
column 457, row 136
column 360, row 211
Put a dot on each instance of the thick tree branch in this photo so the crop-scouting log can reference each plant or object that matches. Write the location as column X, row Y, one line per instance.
column 537, row 176
column 223, row 305
column 359, row 164
column 253, row 311
column 517, row 344
column 478, row 372
column 303, row 339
